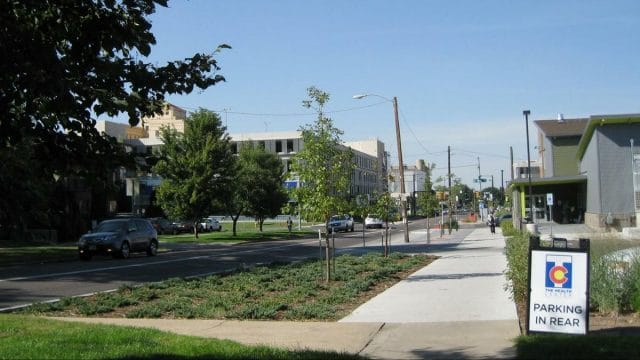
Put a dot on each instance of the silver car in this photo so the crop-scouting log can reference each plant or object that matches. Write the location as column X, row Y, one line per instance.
column 340, row 223
column 119, row 238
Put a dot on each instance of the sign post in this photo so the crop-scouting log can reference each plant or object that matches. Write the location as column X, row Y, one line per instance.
column 550, row 205
column 558, row 287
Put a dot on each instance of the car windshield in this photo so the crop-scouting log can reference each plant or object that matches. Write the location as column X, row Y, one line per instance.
column 336, row 218
column 111, row 226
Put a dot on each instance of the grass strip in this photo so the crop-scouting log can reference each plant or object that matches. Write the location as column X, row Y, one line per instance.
column 27, row 337
column 593, row 346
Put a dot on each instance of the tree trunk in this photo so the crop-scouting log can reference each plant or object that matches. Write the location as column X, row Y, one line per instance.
column 235, row 222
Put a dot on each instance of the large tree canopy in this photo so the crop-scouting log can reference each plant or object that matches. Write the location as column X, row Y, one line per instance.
column 64, row 62
column 263, row 179
column 61, row 60
column 196, row 167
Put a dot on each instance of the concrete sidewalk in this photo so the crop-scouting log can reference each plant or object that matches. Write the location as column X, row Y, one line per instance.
column 455, row 308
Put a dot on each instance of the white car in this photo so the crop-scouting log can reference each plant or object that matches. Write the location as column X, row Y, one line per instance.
column 210, row 224
column 372, row 222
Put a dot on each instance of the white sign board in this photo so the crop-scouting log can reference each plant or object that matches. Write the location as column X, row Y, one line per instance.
column 549, row 199
column 558, row 301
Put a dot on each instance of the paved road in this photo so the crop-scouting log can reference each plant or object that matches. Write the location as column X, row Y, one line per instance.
column 21, row 285
column 454, row 308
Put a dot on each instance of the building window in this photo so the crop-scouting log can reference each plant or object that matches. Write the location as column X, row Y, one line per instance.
column 289, row 146
column 234, row 148
column 262, row 145
column 278, row 146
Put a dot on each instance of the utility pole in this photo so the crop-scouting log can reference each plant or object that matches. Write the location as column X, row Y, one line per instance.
column 403, row 201
column 526, row 114
column 502, row 187
column 479, row 183
column 449, row 176
column 511, row 151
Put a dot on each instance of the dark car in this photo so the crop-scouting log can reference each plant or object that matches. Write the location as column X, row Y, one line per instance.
column 119, row 238
column 163, row 226
column 183, row 226
column 503, row 217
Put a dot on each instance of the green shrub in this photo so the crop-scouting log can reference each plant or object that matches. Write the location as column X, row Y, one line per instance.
column 614, row 282
column 517, row 252
column 605, row 285
column 507, row 228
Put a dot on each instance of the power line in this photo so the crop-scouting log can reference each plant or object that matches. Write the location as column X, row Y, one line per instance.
column 285, row 114
column 475, row 153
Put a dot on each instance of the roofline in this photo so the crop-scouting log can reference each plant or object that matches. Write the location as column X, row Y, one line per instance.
column 600, row 120
column 557, row 180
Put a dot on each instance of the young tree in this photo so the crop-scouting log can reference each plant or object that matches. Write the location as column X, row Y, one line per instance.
column 63, row 63
column 324, row 165
column 426, row 200
column 196, row 167
column 257, row 187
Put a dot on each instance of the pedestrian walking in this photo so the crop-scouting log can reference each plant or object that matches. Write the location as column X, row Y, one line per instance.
column 492, row 223
column 289, row 224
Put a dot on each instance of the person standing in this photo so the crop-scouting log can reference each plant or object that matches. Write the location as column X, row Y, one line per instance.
column 289, row 224
column 492, row 223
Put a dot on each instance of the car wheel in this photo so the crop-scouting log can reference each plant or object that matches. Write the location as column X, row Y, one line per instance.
column 220, row 229
column 86, row 256
column 125, row 251
column 152, row 250
column 352, row 228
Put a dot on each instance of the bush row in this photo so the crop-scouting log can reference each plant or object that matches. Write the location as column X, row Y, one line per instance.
column 614, row 284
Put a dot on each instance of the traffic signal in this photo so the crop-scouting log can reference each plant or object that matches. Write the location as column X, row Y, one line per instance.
column 477, row 194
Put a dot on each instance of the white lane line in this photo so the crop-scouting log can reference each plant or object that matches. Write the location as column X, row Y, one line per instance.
column 21, row 278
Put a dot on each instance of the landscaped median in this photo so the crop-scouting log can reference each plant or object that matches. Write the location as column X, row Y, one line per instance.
column 614, row 293
column 293, row 292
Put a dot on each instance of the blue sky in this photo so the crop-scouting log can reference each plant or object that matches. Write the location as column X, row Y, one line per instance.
column 462, row 71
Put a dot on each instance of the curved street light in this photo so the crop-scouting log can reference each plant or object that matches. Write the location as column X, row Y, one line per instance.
column 403, row 200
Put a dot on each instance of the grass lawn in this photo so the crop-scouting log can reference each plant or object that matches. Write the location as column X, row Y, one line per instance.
column 20, row 252
column 28, row 337
column 226, row 236
column 245, row 231
column 295, row 291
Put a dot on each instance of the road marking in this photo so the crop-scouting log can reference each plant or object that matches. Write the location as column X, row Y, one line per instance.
column 21, row 278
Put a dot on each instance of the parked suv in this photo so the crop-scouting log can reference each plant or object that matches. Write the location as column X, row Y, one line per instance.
column 119, row 238
column 340, row 223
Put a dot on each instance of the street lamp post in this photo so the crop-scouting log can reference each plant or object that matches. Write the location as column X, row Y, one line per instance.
column 526, row 114
column 403, row 200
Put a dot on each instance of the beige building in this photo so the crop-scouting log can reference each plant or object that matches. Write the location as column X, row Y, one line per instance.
column 369, row 176
column 171, row 116
column 120, row 131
